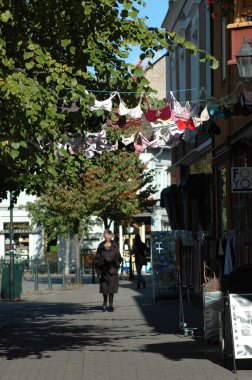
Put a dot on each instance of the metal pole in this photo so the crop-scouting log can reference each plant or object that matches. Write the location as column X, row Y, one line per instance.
column 49, row 276
column 11, row 267
column 93, row 272
column 63, row 275
column 36, row 275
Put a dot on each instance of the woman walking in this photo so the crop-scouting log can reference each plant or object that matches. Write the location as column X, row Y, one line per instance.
column 139, row 249
column 107, row 263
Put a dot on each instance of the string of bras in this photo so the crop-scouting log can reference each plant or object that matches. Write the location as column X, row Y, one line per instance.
column 168, row 125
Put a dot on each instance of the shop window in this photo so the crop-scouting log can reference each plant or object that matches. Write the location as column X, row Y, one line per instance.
column 20, row 240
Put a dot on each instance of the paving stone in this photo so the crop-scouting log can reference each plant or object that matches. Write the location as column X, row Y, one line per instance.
column 63, row 335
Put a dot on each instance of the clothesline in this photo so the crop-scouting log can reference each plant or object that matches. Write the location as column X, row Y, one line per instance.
column 156, row 91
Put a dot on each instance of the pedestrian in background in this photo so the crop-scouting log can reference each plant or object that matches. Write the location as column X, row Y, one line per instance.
column 139, row 249
column 107, row 262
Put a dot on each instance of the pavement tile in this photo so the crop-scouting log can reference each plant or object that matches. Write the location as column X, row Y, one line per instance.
column 63, row 334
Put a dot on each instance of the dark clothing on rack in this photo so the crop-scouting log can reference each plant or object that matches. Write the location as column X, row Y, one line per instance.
column 107, row 262
column 199, row 195
column 172, row 200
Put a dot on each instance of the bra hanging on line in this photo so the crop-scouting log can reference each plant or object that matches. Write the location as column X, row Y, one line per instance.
column 162, row 113
column 105, row 105
column 135, row 113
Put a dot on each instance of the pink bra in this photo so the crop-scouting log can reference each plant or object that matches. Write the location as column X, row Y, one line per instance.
column 179, row 112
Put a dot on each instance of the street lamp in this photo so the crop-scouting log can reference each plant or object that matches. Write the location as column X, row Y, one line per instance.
column 244, row 60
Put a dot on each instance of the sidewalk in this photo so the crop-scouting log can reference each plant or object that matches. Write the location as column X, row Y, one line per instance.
column 64, row 334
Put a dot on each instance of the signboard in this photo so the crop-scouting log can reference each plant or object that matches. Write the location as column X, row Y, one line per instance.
column 163, row 255
column 241, row 318
column 241, row 179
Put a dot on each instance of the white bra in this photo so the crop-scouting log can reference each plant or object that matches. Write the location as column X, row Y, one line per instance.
column 105, row 105
column 204, row 116
column 135, row 113
column 128, row 140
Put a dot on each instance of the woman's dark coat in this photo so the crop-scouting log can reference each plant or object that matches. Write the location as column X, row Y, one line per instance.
column 107, row 263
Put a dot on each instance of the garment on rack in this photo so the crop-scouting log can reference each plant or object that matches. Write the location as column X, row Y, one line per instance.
column 105, row 105
column 134, row 113
column 161, row 113
column 228, row 266
column 221, row 251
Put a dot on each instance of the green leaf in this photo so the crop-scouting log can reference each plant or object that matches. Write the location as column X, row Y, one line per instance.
column 215, row 64
column 40, row 59
column 72, row 49
column 190, row 46
column 39, row 160
column 28, row 55
column 2, row 43
column 52, row 171
column 63, row 152
column 6, row 16
column 14, row 154
column 74, row 82
column 15, row 145
column 32, row 46
column 87, row 9
column 65, row 43
column 29, row 65
column 48, row 79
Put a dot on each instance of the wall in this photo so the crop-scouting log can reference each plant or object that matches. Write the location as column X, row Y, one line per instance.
column 156, row 75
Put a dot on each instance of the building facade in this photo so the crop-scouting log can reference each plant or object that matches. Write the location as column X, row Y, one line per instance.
column 28, row 242
column 156, row 74
column 211, row 215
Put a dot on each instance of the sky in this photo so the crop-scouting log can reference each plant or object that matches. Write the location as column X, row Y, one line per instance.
column 155, row 11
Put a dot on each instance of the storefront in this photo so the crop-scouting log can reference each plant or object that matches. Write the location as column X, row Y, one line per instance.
column 233, row 198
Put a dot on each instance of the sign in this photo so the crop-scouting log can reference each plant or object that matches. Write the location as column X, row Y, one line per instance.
column 241, row 179
column 163, row 255
column 241, row 318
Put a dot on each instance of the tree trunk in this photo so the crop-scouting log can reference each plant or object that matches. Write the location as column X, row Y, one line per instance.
column 67, row 257
column 106, row 223
column 77, row 251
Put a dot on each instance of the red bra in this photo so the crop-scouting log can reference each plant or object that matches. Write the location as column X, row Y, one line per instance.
column 162, row 113
column 186, row 124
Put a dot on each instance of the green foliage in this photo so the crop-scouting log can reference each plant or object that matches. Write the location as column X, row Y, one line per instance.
column 115, row 187
column 119, row 186
column 55, row 49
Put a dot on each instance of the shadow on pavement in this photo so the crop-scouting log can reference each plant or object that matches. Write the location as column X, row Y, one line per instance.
column 163, row 317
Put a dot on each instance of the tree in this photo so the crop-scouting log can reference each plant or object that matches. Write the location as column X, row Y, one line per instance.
column 55, row 49
column 115, row 187
column 62, row 212
column 119, row 187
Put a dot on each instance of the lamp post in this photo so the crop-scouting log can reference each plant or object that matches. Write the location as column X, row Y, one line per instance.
column 244, row 60
column 11, row 267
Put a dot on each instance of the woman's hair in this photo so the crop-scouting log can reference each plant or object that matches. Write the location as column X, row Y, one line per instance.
column 138, row 239
column 108, row 232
